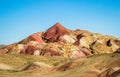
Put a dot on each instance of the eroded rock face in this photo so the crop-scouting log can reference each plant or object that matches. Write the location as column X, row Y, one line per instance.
column 105, row 44
column 36, row 44
column 53, row 33
column 51, row 49
column 87, row 41
column 50, row 52
column 35, row 37
column 80, row 52
column 18, row 48
column 67, row 39
column 7, row 48
column 78, row 37
column 31, row 49
column 69, row 50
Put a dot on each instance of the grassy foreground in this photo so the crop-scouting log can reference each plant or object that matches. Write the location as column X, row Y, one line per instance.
column 18, row 65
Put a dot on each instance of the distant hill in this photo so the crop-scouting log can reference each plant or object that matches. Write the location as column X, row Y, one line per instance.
column 1, row 46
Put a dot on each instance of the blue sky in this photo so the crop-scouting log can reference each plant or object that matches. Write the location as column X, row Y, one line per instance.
column 20, row 18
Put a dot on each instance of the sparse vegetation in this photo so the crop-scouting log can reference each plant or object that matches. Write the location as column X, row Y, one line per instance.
column 72, row 68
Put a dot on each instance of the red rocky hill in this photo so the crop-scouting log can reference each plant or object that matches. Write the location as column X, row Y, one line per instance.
column 62, row 52
column 59, row 41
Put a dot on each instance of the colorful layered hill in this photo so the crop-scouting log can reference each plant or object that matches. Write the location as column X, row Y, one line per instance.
column 68, row 51
column 59, row 41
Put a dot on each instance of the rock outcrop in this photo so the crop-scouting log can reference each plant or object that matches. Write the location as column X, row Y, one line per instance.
column 35, row 37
